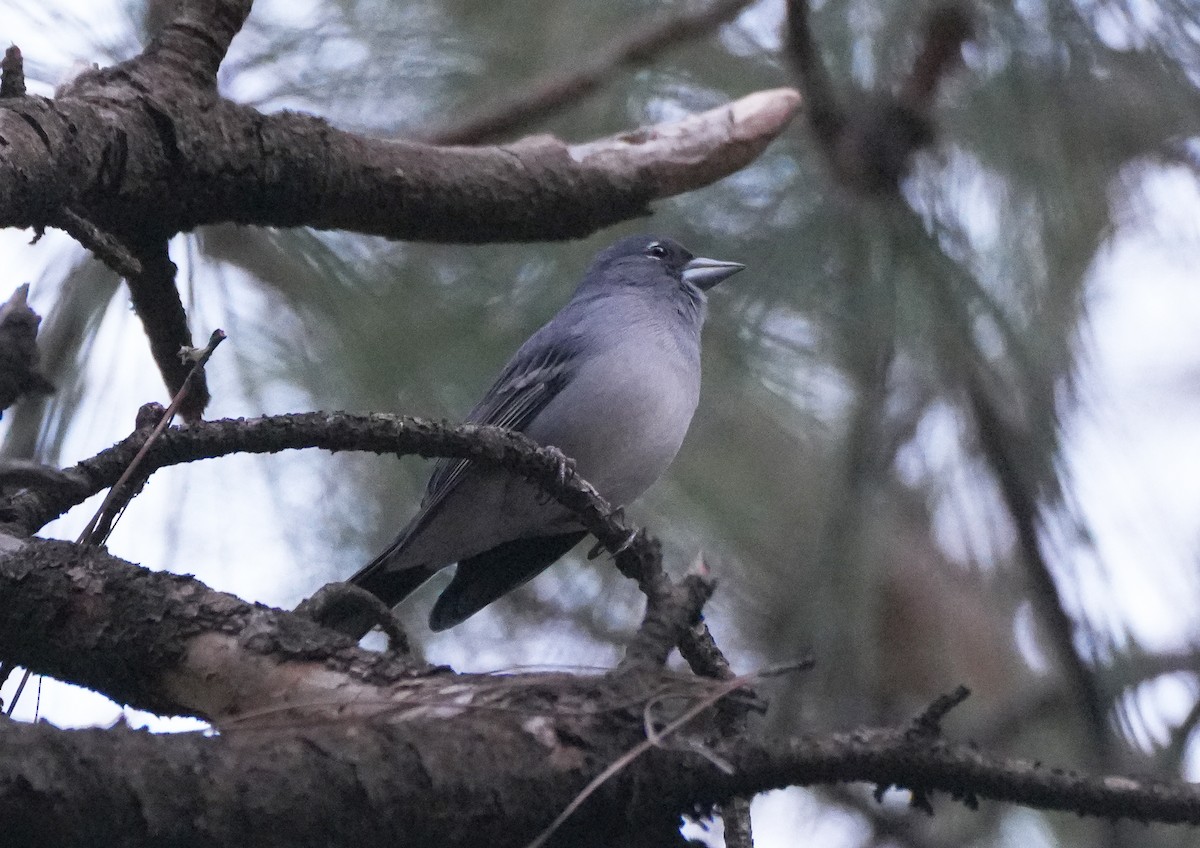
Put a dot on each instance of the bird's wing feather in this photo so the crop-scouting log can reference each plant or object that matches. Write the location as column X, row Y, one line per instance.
column 532, row 378
column 530, row 381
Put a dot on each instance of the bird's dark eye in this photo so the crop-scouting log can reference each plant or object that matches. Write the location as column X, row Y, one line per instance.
column 656, row 250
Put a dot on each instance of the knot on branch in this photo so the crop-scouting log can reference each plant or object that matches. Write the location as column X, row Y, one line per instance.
column 12, row 73
column 352, row 611
column 926, row 728
column 18, row 350
column 670, row 614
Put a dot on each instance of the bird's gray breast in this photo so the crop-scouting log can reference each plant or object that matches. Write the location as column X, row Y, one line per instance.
column 624, row 413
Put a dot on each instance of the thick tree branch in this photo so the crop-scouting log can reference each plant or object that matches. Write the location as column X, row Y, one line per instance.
column 133, row 157
column 181, row 648
column 411, row 782
column 194, row 41
column 544, row 96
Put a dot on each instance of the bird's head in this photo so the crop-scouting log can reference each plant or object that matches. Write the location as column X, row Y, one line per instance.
column 656, row 263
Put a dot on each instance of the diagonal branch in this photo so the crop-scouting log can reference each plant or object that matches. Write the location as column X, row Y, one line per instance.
column 157, row 303
column 1000, row 442
column 548, row 94
column 870, row 144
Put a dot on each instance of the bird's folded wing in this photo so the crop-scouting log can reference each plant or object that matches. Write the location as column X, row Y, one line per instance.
column 531, row 379
column 534, row 376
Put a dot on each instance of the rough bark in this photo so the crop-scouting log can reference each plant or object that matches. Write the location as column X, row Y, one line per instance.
column 324, row 743
column 132, row 149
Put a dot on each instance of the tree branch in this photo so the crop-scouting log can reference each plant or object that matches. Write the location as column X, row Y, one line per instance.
column 121, row 150
column 194, row 41
column 889, row 758
column 442, row 760
column 637, row 556
column 182, row 648
column 452, row 775
column 550, row 93
column 157, row 303
column 870, row 145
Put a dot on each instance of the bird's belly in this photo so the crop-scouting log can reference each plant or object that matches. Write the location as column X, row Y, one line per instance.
column 622, row 429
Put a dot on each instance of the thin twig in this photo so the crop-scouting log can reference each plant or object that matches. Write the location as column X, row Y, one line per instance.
column 928, row 724
column 12, row 705
column 636, row 751
column 108, row 248
column 102, row 523
column 548, row 94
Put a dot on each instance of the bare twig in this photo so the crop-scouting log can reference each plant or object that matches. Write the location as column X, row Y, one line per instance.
column 928, row 724
column 622, row 762
column 544, row 96
column 107, row 247
column 102, row 523
column 12, row 705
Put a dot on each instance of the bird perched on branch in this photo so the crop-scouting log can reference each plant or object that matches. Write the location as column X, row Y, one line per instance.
column 612, row 381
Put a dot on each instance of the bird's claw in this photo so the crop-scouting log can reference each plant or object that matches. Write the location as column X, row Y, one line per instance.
column 599, row 547
column 564, row 466
column 627, row 544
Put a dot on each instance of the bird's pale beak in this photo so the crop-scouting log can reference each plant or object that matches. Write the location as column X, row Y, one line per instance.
column 706, row 273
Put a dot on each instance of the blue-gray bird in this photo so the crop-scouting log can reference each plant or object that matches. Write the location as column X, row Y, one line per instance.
column 612, row 381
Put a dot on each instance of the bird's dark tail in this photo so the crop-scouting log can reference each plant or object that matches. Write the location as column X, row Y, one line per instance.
column 484, row 577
